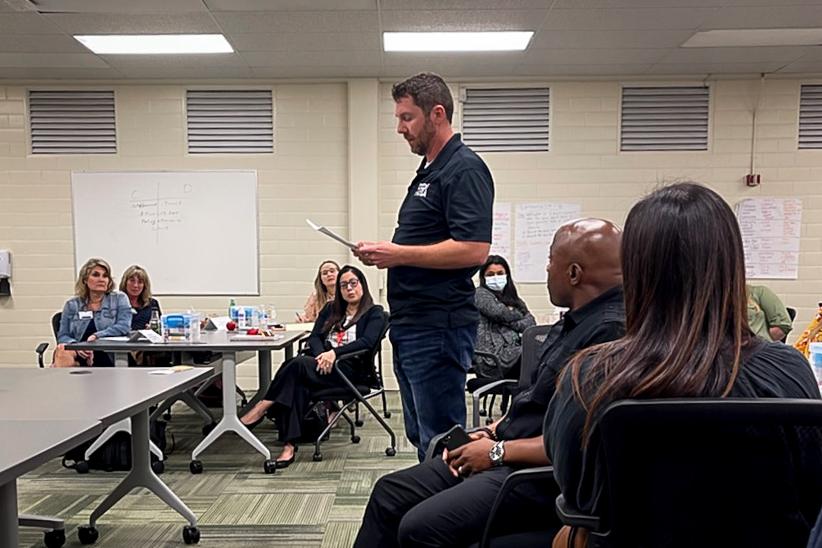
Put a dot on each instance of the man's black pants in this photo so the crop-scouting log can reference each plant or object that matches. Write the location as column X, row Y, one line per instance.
column 425, row 505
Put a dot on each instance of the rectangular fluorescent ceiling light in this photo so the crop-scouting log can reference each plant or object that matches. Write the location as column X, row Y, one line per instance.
column 456, row 41
column 754, row 37
column 155, row 44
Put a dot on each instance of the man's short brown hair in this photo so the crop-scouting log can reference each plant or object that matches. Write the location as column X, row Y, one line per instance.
column 427, row 90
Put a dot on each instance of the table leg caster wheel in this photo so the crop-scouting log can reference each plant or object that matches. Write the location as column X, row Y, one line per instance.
column 196, row 467
column 318, row 457
column 54, row 539
column 208, row 428
column 270, row 466
column 390, row 452
column 81, row 467
column 191, row 535
column 355, row 439
column 158, row 466
column 87, row 534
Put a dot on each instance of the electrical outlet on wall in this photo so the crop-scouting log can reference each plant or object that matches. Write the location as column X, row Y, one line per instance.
column 752, row 179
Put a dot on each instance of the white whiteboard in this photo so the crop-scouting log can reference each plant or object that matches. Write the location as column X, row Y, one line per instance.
column 195, row 232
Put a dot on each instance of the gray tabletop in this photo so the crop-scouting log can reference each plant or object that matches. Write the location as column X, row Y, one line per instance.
column 216, row 341
column 29, row 443
column 106, row 394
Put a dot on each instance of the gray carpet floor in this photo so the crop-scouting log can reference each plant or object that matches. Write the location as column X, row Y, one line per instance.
column 309, row 504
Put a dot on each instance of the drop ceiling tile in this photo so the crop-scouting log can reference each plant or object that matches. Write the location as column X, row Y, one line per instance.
column 52, row 73
column 461, row 20
column 322, row 72
column 26, row 23
column 306, row 41
column 632, row 69
column 297, row 21
column 606, row 39
column 311, row 58
column 735, row 55
column 592, row 56
column 464, row 4
column 750, row 17
column 290, row 5
column 187, row 72
column 64, row 60
column 628, row 19
column 107, row 23
column 40, row 43
column 129, row 62
column 120, row 6
column 714, row 68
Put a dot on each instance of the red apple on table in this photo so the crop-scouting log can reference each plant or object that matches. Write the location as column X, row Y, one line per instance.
column 253, row 331
column 231, row 326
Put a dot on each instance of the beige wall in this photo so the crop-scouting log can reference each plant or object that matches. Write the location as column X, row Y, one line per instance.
column 320, row 168
column 584, row 165
column 307, row 176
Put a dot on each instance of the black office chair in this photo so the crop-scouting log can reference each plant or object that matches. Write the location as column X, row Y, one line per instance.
column 704, row 472
column 532, row 339
column 792, row 316
column 55, row 328
column 352, row 395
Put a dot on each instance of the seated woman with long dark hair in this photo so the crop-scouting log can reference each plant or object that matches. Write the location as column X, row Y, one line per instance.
column 348, row 324
column 503, row 318
column 687, row 334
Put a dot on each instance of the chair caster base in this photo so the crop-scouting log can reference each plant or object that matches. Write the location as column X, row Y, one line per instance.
column 158, row 466
column 387, row 414
column 81, row 467
column 355, row 439
column 358, row 423
column 196, row 467
column 390, row 452
column 87, row 534
column 54, row 539
column 318, row 457
column 270, row 466
column 191, row 535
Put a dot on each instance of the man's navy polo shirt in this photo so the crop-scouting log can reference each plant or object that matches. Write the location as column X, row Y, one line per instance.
column 450, row 199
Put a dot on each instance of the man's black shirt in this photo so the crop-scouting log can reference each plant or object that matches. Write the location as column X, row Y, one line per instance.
column 598, row 321
column 450, row 199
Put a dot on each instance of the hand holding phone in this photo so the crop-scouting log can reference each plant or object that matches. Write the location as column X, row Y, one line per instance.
column 455, row 437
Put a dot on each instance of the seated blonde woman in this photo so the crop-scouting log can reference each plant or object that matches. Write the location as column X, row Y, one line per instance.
column 325, row 284
column 136, row 284
column 96, row 310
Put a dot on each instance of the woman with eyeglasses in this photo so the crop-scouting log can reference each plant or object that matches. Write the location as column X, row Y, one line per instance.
column 348, row 324
column 324, row 291
column 503, row 318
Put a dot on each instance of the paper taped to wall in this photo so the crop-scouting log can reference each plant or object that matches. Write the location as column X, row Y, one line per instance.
column 331, row 234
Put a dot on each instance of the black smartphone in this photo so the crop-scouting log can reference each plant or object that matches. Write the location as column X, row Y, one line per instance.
column 455, row 437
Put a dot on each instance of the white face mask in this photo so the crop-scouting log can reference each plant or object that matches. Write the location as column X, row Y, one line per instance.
column 496, row 283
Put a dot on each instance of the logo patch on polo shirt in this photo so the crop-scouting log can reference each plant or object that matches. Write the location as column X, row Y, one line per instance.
column 422, row 190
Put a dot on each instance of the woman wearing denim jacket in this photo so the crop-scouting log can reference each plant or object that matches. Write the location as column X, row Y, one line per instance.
column 95, row 311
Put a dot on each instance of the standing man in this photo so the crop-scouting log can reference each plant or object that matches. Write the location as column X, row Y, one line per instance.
column 443, row 235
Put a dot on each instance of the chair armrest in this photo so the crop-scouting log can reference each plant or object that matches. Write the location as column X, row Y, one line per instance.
column 478, row 393
column 41, row 349
column 575, row 518
column 489, row 355
column 526, row 475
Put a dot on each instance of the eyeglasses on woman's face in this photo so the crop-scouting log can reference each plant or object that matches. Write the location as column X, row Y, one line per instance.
column 350, row 284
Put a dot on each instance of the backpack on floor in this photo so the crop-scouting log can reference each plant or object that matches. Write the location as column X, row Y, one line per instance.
column 115, row 454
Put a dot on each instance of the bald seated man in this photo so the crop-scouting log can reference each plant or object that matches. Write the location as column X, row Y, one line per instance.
column 446, row 501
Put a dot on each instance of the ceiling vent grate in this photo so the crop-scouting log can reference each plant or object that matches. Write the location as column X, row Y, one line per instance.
column 506, row 119
column 72, row 122
column 665, row 118
column 230, row 121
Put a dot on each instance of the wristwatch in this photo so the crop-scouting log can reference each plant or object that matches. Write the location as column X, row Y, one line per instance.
column 497, row 453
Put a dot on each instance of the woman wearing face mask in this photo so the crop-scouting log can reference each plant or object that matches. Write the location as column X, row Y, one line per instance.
column 349, row 323
column 503, row 318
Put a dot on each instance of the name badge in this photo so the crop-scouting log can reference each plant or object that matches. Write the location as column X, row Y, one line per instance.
column 86, row 314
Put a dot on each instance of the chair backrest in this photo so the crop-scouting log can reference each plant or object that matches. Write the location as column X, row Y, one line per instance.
column 532, row 339
column 55, row 323
column 791, row 312
column 700, row 472
column 376, row 354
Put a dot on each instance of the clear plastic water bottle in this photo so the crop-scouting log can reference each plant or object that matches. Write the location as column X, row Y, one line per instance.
column 241, row 317
column 815, row 358
column 154, row 324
